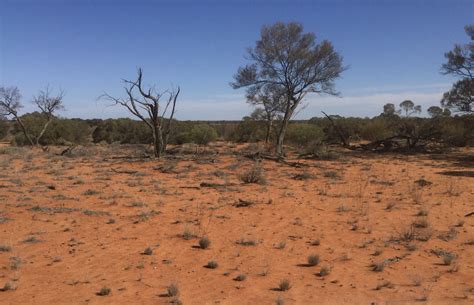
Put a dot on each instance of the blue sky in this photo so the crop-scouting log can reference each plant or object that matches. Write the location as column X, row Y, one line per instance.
column 394, row 50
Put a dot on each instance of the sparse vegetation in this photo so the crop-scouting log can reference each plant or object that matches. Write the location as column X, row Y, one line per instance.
column 284, row 285
column 253, row 175
column 204, row 242
column 313, row 260
column 104, row 291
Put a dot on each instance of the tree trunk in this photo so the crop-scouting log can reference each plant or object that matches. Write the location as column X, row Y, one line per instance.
column 23, row 128
column 269, row 130
column 43, row 131
column 158, row 145
column 281, row 135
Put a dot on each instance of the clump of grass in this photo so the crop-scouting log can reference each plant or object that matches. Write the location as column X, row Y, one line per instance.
column 305, row 175
column 377, row 267
column 172, row 290
column 448, row 258
column 90, row 192
column 31, row 240
column 421, row 223
column 147, row 251
column 390, row 205
column 212, row 265
column 4, row 248
column 313, row 260
column 324, row 271
column 377, row 252
column 384, row 284
column 175, row 301
column 187, row 234
column 281, row 245
column 416, row 281
column 407, row 234
column 246, row 242
column 241, row 277
column 331, row 175
column 284, row 285
column 280, row 301
column 104, row 291
column 15, row 263
column 342, row 208
column 411, row 247
column 8, row 286
column 423, row 212
column 254, row 175
column 204, row 242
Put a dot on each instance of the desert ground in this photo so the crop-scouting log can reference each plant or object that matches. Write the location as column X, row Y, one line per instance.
column 104, row 226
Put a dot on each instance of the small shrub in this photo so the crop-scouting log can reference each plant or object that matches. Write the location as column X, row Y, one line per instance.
column 305, row 175
column 324, row 271
column 8, row 286
column 199, row 134
column 172, row 290
column 377, row 267
column 246, row 242
column 204, row 243
column 390, row 205
column 90, row 192
column 104, row 291
column 4, row 248
column 212, row 265
column 448, row 258
column 148, row 251
column 421, row 223
column 187, row 234
column 422, row 212
column 31, row 240
column 280, row 301
column 281, row 245
column 241, row 277
column 253, row 175
column 284, row 285
column 384, row 284
column 313, row 260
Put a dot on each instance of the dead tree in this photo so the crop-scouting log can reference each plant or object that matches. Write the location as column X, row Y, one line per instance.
column 10, row 105
column 48, row 105
column 147, row 108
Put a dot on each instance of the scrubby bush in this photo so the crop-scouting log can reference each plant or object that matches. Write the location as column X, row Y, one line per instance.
column 302, row 134
column 60, row 131
column 248, row 130
column 3, row 128
column 124, row 131
column 199, row 134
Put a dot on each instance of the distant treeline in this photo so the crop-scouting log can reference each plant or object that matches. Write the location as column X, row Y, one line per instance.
column 444, row 130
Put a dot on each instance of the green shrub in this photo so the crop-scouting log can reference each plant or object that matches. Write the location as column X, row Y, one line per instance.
column 3, row 128
column 248, row 131
column 59, row 132
column 303, row 134
column 199, row 134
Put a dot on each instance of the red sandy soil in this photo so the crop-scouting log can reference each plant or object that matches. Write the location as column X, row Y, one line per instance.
column 70, row 226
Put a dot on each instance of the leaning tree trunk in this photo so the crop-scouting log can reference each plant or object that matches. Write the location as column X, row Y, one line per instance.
column 43, row 131
column 23, row 128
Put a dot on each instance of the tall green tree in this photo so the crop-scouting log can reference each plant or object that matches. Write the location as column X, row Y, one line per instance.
column 288, row 60
column 460, row 63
